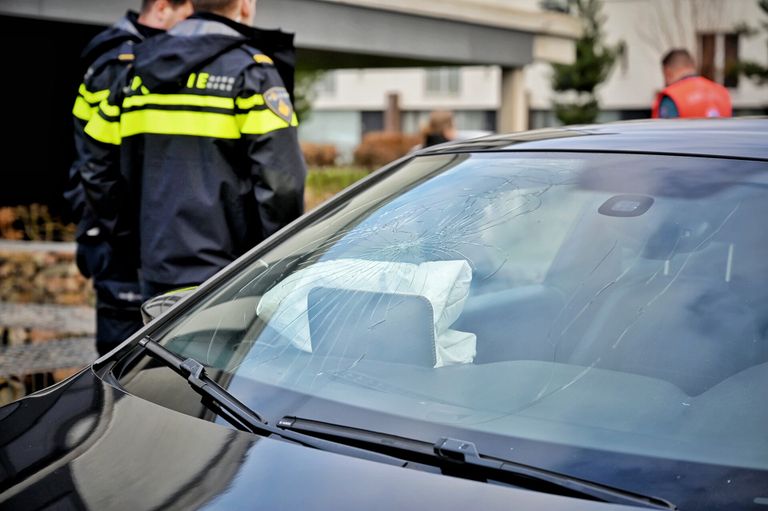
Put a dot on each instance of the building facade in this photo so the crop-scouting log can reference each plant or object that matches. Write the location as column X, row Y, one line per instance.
column 712, row 30
column 349, row 103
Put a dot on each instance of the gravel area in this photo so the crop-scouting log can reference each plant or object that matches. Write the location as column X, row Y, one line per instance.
column 47, row 356
column 47, row 326
column 37, row 246
column 59, row 318
column 44, row 338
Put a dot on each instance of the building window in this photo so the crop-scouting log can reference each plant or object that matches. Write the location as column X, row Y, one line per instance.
column 371, row 121
column 443, row 81
column 731, row 77
column 326, row 85
column 718, row 57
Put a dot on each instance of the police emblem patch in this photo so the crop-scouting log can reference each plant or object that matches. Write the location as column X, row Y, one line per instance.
column 278, row 100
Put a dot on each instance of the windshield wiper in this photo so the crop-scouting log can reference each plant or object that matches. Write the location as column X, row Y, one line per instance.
column 198, row 379
column 218, row 399
column 461, row 459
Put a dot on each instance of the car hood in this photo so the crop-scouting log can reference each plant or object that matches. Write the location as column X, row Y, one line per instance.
column 85, row 444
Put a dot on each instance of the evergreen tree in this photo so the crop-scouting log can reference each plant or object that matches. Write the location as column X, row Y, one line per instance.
column 304, row 91
column 594, row 61
column 753, row 70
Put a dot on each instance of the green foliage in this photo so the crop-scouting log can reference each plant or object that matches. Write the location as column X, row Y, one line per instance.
column 325, row 182
column 333, row 179
column 555, row 5
column 756, row 72
column 305, row 80
column 594, row 62
column 579, row 112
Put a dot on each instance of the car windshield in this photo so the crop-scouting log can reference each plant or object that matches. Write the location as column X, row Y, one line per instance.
column 601, row 301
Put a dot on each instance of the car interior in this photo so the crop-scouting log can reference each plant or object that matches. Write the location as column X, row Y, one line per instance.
column 674, row 299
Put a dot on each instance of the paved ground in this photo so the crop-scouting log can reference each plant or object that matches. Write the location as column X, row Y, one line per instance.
column 46, row 357
column 75, row 348
column 36, row 246
column 60, row 318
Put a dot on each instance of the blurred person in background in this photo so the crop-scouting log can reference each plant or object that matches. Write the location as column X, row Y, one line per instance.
column 440, row 128
column 113, row 268
column 686, row 94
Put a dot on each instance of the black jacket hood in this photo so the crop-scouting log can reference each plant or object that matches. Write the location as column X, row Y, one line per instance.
column 164, row 62
column 125, row 29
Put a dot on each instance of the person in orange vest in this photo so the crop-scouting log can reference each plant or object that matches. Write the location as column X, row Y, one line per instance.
column 686, row 94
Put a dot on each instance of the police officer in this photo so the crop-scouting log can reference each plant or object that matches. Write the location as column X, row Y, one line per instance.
column 114, row 272
column 211, row 163
column 687, row 94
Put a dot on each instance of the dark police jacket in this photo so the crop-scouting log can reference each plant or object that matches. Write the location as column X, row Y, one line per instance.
column 105, row 56
column 210, row 162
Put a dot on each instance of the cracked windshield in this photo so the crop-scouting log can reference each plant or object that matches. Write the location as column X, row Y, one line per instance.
column 540, row 297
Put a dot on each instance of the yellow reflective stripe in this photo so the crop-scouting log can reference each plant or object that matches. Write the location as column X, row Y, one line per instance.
column 180, row 290
column 103, row 130
column 110, row 110
column 93, row 98
column 179, row 100
column 82, row 110
column 171, row 122
column 262, row 59
column 248, row 103
column 259, row 122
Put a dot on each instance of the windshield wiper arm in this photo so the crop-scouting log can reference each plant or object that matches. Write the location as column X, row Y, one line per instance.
column 198, row 379
column 465, row 453
column 238, row 414
column 462, row 459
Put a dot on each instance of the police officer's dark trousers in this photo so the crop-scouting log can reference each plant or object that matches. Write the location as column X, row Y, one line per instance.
column 118, row 295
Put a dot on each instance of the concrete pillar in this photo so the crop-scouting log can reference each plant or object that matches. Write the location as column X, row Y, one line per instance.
column 513, row 112
column 392, row 113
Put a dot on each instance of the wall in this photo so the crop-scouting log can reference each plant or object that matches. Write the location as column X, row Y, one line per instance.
column 42, row 273
column 367, row 89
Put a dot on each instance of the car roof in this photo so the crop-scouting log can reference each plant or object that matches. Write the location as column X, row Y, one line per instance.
column 735, row 137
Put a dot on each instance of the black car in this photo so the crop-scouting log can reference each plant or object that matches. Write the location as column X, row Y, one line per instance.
column 572, row 318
